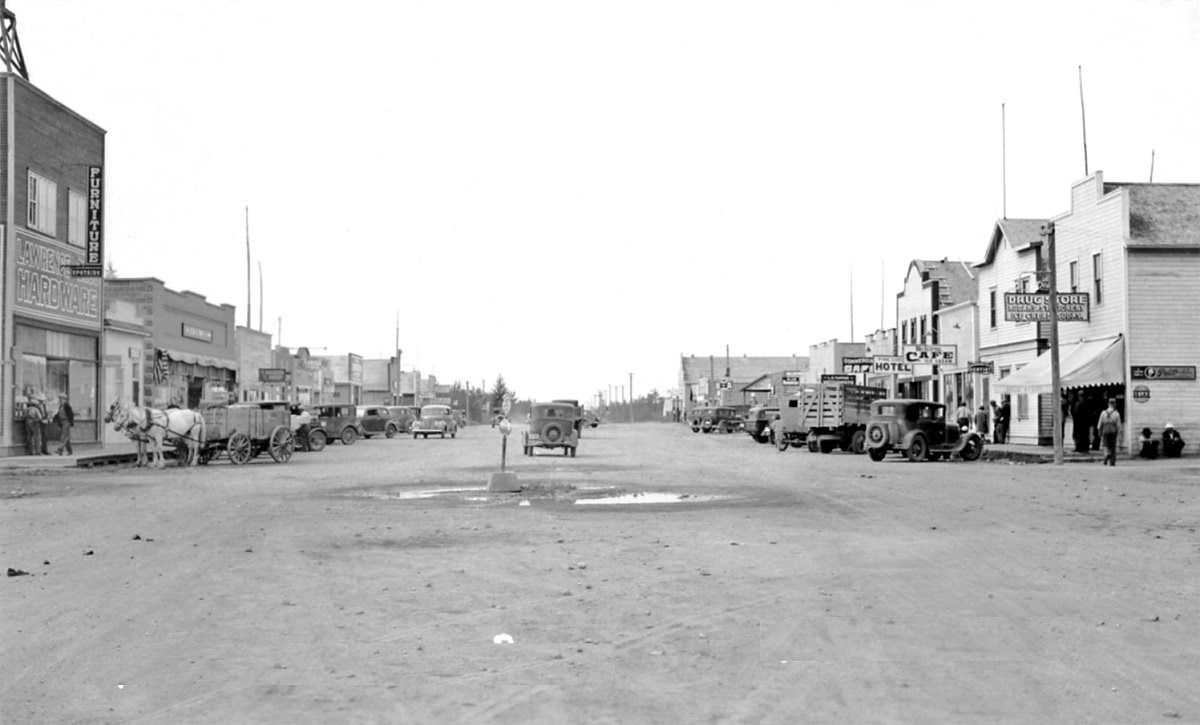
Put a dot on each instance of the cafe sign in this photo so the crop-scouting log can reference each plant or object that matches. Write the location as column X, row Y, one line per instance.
column 856, row 365
column 929, row 354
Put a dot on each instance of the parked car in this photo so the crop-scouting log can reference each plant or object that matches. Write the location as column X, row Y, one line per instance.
column 758, row 422
column 919, row 430
column 723, row 419
column 339, row 422
column 435, row 420
column 551, row 425
column 403, row 416
column 590, row 419
column 376, row 420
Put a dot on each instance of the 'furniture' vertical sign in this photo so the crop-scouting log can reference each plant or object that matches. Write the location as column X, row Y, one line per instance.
column 94, row 253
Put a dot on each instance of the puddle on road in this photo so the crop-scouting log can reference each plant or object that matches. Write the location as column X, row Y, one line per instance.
column 649, row 498
column 554, row 493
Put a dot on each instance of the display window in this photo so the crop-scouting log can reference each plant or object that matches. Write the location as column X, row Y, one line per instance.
column 54, row 364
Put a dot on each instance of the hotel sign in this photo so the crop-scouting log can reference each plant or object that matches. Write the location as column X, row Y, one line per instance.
column 893, row 364
column 1162, row 372
column 45, row 287
column 1035, row 307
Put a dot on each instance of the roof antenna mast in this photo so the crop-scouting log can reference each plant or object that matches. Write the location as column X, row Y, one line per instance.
column 10, row 44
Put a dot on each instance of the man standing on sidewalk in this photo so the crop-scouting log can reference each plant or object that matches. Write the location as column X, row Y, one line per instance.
column 1110, row 428
column 65, row 418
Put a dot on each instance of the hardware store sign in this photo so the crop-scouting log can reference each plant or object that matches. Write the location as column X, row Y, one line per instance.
column 45, row 287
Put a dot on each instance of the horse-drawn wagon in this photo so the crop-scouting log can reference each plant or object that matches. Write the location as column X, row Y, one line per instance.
column 243, row 430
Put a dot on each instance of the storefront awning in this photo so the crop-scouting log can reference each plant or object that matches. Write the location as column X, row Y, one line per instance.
column 1080, row 364
column 194, row 359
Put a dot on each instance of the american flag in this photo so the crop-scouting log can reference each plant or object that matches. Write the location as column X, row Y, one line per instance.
column 161, row 360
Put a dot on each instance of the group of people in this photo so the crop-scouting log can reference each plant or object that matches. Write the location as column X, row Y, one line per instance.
column 37, row 425
column 981, row 421
column 1172, row 443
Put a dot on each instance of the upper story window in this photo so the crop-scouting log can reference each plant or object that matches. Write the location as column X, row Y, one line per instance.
column 1073, row 270
column 923, row 335
column 1097, row 278
column 76, row 218
column 43, row 204
column 992, row 308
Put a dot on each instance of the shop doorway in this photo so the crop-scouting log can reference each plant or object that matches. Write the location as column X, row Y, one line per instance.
column 195, row 392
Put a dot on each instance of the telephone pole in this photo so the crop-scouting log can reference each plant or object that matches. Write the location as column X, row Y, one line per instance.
column 630, row 397
column 1055, row 372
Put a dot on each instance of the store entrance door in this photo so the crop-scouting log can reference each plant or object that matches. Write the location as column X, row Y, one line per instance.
column 195, row 393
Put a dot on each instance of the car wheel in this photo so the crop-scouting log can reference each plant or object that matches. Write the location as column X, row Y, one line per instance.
column 414, row 436
column 317, row 440
column 391, row 431
column 972, row 450
column 876, row 454
column 826, row 446
column 349, row 435
column 706, row 425
column 696, row 426
column 811, row 441
column 918, row 448
column 858, row 442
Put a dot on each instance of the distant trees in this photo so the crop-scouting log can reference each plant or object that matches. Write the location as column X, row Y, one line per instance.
column 500, row 391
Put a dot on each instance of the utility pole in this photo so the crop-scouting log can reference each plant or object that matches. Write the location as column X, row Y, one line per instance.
column 630, row 397
column 1055, row 373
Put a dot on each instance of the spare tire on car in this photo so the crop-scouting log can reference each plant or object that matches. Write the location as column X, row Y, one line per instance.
column 553, row 432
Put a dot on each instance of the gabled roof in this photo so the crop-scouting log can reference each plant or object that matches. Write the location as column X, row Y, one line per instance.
column 956, row 282
column 1162, row 215
column 1021, row 234
column 741, row 369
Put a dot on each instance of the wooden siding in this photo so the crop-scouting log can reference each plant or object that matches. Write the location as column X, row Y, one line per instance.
column 1163, row 301
column 1007, row 266
column 1095, row 228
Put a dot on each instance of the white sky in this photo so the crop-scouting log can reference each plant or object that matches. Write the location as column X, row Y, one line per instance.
column 566, row 192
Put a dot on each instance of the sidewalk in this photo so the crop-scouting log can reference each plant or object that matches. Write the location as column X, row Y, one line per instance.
column 53, row 461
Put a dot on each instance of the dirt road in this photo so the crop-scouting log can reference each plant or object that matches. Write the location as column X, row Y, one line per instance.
column 370, row 583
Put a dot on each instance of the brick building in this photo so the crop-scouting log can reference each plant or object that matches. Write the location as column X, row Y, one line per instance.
column 51, row 321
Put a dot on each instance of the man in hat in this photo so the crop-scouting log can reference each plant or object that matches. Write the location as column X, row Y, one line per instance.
column 65, row 418
column 33, row 425
column 1110, row 430
column 1172, row 442
column 45, row 424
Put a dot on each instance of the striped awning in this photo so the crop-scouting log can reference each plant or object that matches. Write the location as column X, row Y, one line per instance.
column 1080, row 365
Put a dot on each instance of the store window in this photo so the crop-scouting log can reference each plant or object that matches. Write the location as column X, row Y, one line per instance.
column 1022, row 406
column 992, row 308
column 42, row 212
column 76, row 217
column 53, row 364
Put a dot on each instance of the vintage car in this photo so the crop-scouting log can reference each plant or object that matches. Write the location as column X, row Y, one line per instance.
column 308, row 435
column 590, row 419
column 551, row 425
column 758, row 422
column 377, row 420
column 435, row 420
column 403, row 416
column 339, row 421
column 723, row 419
column 919, row 430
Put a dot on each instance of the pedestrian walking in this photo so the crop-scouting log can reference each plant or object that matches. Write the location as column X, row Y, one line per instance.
column 65, row 419
column 1110, row 428
column 1082, row 423
column 1003, row 417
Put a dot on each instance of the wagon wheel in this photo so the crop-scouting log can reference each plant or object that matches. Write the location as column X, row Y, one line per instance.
column 317, row 440
column 858, row 442
column 282, row 444
column 239, row 448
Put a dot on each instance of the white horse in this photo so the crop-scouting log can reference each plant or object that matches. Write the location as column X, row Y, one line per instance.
column 158, row 427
